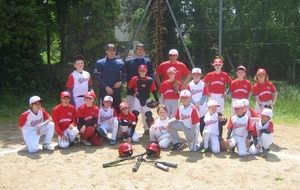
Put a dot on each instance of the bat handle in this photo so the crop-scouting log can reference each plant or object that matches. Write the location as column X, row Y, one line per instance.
column 137, row 164
column 161, row 166
column 170, row 164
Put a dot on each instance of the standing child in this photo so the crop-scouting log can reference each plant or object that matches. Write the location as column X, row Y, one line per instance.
column 87, row 116
column 142, row 86
column 186, row 119
column 158, row 132
column 108, row 120
column 264, row 91
column 36, row 122
column 128, row 122
column 239, row 129
column 64, row 118
column 170, row 95
column 79, row 82
column 212, row 132
column 240, row 87
column 216, row 82
column 199, row 93
column 263, row 133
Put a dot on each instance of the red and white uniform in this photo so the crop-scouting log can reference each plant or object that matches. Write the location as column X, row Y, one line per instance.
column 241, row 126
column 129, row 118
column 29, row 122
column 264, row 91
column 265, row 140
column 216, row 86
column 239, row 90
column 211, row 132
column 63, row 117
column 158, row 131
column 108, row 121
column 180, row 67
column 79, row 82
column 197, row 91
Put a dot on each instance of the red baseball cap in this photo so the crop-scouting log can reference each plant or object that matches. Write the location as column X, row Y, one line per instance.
column 172, row 69
column 124, row 105
column 142, row 67
column 90, row 95
column 218, row 61
column 65, row 94
column 261, row 71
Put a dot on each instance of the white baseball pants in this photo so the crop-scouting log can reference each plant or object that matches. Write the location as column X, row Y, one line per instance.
column 70, row 134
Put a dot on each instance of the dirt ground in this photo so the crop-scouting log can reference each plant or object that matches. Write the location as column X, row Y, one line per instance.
column 80, row 167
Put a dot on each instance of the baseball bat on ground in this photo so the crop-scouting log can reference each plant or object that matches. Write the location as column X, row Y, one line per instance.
column 170, row 164
column 114, row 162
column 157, row 165
column 137, row 164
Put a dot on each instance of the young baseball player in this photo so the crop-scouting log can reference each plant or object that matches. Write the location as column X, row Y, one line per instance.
column 264, row 91
column 263, row 134
column 199, row 93
column 170, row 96
column 87, row 116
column 186, row 119
column 213, row 129
column 158, row 132
column 108, row 120
column 216, row 82
column 64, row 118
column 79, row 82
column 239, row 129
column 250, row 112
column 128, row 122
column 142, row 86
column 34, row 123
column 240, row 87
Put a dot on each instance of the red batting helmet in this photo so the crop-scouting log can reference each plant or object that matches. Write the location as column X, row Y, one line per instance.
column 153, row 149
column 125, row 150
column 65, row 94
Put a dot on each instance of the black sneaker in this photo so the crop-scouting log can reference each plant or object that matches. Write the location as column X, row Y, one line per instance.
column 177, row 146
column 146, row 132
column 232, row 150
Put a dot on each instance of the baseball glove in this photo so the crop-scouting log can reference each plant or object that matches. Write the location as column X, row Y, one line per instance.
column 224, row 145
column 152, row 104
column 176, row 86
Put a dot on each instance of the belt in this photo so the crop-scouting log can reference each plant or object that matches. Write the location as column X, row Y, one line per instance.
column 80, row 96
column 239, row 135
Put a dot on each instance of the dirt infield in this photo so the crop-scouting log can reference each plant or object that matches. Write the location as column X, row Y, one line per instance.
column 80, row 167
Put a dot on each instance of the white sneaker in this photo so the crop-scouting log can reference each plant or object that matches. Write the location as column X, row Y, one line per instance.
column 87, row 143
column 47, row 147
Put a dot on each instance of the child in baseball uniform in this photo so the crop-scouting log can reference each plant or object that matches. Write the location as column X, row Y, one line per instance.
column 142, row 86
column 128, row 122
column 34, row 123
column 240, row 87
column 79, row 82
column 199, row 93
column 87, row 116
column 250, row 112
column 186, row 119
column 264, row 91
column 239, row 129
column 158, row 132
column 108, row 120
column 64, row 118
column 170, row 97
column 212, row 132
column 263, row 134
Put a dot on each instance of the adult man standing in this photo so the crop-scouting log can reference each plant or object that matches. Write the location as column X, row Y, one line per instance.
column 132, row 65
column 183, row 71
column 111, row 74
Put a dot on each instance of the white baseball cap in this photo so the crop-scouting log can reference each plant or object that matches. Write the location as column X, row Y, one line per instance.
column 246, row 102
column 185, row 93
column 238, row 104
column 267, row 112
column 173, row 52
column 212, row 103
column 108, row 98
column 196, row 70
column 34, row 99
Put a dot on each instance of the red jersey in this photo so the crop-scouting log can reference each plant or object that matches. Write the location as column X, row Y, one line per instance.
column 129, row 118
column 88, row 114
column 182, row 70
column 216, row 82
column 133, row 83
column 63, row 117
column 264, row 91
column 166, row 89
column 240, row 89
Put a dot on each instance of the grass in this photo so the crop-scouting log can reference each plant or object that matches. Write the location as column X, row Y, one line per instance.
column 286, row 109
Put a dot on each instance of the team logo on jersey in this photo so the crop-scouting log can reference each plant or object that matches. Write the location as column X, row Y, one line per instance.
column 69, row 113
column 81, row 80
column 210, row 122
column 222, row 78
column 185, row 116
column 143, row 85
column 239, row 125
column 35, row 122
column 245, row 86
column 268, row 87
column 103, row 118
column 196, row 91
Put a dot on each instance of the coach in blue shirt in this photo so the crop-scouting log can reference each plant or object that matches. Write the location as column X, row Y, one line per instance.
column 111, row 74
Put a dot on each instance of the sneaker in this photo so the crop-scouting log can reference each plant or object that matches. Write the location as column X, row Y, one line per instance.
column 72, row 144
column 265, row 154
column 146, row 132
column 112, row 142
column 48, row 147
column 124, row 139
column 177, row 146
column 203, row 150
column 232, row 150
column 76, row 139
column 87, row 143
